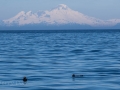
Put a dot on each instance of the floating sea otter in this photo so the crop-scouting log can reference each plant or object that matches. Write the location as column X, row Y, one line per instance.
column 24, row 79
column 77, row 76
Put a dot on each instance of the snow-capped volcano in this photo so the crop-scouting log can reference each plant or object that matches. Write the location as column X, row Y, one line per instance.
column 62, row 14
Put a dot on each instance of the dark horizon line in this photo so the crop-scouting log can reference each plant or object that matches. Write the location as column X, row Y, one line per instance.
column 60, row 31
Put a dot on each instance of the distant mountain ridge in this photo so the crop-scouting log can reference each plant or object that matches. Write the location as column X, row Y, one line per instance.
column 61, row 15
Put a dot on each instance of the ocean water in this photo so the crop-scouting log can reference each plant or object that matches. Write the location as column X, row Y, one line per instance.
column 48, row 60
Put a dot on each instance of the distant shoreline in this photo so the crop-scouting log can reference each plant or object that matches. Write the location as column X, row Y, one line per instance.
column 60, row 31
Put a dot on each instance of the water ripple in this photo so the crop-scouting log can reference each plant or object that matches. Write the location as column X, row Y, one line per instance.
column 48, row 60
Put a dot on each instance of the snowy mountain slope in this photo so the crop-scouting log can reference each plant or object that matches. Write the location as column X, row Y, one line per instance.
column 23, row 18
column 114, row 21
column 62, row 14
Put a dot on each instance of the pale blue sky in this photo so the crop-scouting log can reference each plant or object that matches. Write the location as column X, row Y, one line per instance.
column 103, row 9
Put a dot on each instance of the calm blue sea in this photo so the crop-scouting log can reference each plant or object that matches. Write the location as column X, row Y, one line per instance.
column 49, row 58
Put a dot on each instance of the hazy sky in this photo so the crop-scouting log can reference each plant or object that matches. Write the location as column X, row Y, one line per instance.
column 103, row 9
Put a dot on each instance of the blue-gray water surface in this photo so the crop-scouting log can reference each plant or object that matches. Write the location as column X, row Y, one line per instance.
column 48, row 60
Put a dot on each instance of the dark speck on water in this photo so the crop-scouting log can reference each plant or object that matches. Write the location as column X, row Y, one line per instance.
column 50, row 59
column 77, row 76
column 73, row 75
column 24, row 79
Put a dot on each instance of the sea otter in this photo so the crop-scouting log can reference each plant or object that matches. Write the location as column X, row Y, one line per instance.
column 77, row 76
column 24, row 79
